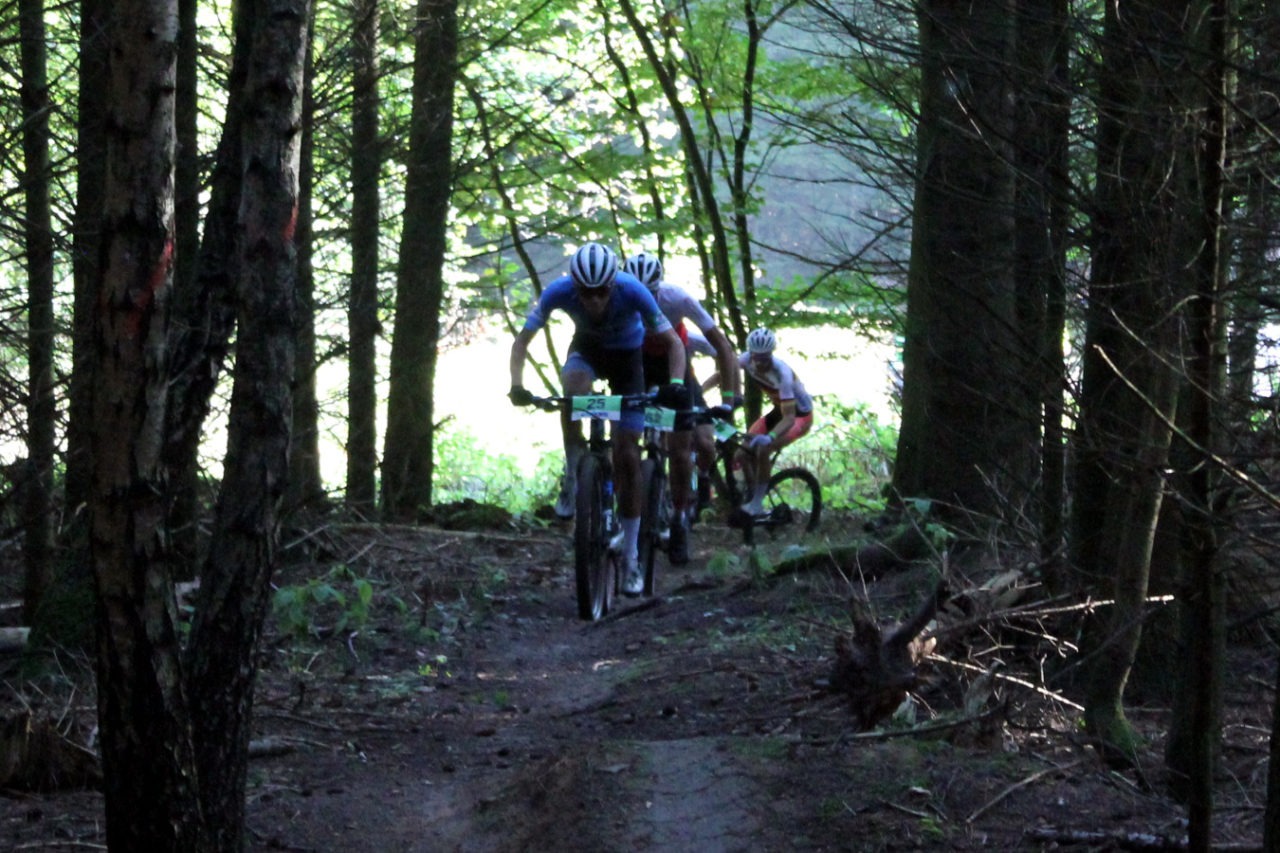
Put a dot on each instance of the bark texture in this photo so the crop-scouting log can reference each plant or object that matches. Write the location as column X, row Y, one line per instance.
column 1144, row 244
column 407, row 468
column 969, row 415
column 147, row 752
column 235, row 580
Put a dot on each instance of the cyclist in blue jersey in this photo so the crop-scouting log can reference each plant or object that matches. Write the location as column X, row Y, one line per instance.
column 611, row 310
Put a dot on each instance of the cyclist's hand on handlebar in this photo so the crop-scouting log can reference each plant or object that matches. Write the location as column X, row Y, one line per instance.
column 674, row 396
column 520, row 396
column 759, row 441
column 722, row 413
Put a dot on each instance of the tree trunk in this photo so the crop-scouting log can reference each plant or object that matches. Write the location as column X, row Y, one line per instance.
column 1040, row 255
column 306, row 487
column 1193, row 739
column 407, row 463
column 969, row 431
column 722, row 274
column 91, row 173
column 184, row 514
column 37, row 480
column 1271, row 818
column 235, row 580
column 1143, row 249
column 362, row 312
column 203, row 315
column 147, row 753
column 1254, row 274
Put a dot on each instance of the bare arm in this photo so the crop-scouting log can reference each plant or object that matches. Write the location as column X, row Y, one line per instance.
column 727, row 360
column 782, row 427
column 675, row 354
column 519, row 352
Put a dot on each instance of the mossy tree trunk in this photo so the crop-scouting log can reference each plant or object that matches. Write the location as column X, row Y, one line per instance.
column 1145, row 243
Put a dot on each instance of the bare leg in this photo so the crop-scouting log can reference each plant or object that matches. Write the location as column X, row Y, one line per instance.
column 680, row 445
column 574, row 382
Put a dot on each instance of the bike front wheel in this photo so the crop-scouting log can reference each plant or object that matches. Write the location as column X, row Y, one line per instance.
column 655, row 518
column 591, row 558
column 794, row 499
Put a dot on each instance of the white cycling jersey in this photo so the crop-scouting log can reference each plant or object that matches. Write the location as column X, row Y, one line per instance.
column 699, row 344
column 778, row 381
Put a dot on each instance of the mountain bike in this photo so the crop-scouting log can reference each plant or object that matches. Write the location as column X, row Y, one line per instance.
column 794, row 498
column 659, row 509
column 597, row 563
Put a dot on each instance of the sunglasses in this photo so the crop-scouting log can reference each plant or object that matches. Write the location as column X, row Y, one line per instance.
column 587, row 294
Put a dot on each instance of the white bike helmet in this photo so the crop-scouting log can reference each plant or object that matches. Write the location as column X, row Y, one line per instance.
column 761, row 341
column 593, row 265
column 647, row 268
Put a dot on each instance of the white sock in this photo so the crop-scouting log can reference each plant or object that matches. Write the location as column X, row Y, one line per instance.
column 631, row 536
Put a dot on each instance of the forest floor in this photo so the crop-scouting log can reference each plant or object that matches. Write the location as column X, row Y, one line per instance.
column 469, row 709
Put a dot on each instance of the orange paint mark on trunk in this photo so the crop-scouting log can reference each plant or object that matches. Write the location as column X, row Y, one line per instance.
column 143, row 299
column 291, row 227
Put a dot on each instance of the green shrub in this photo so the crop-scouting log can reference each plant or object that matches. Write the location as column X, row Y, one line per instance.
column 850, row 451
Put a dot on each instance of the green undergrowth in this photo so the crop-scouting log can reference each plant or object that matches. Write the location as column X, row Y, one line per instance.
column 850, row 450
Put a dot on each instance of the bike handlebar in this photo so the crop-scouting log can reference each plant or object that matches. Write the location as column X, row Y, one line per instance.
column 630, row 402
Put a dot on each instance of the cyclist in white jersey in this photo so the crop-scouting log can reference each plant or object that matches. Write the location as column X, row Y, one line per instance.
column 790, row 418
column 678, row 305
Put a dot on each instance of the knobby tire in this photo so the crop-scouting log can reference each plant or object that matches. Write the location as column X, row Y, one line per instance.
column 801, row 491
column 654, row 482
column 591, row 542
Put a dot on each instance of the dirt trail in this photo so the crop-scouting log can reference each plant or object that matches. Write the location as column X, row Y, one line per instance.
column 484, row 716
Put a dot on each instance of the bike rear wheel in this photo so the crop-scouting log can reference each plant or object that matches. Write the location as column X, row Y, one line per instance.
column 591, row 559
column 732, row 479
column 655, row 518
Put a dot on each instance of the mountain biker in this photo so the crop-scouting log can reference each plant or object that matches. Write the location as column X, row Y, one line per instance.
column 678, row 305
column 790, row 418
column 610, row 310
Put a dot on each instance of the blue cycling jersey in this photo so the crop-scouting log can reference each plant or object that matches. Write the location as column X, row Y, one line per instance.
column 632, row 309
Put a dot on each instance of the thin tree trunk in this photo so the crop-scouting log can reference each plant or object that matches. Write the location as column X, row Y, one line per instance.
column 184, row 514
column 722, row 273
column 407, row 469
column 1143, row 249
column 362, row 312
column 1197, row 720
column 1271, row 817
column 1041, row 232
column 91, row 172
column 306, row 487
column 203, row 316
column 37, row 480
column 235, row 580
